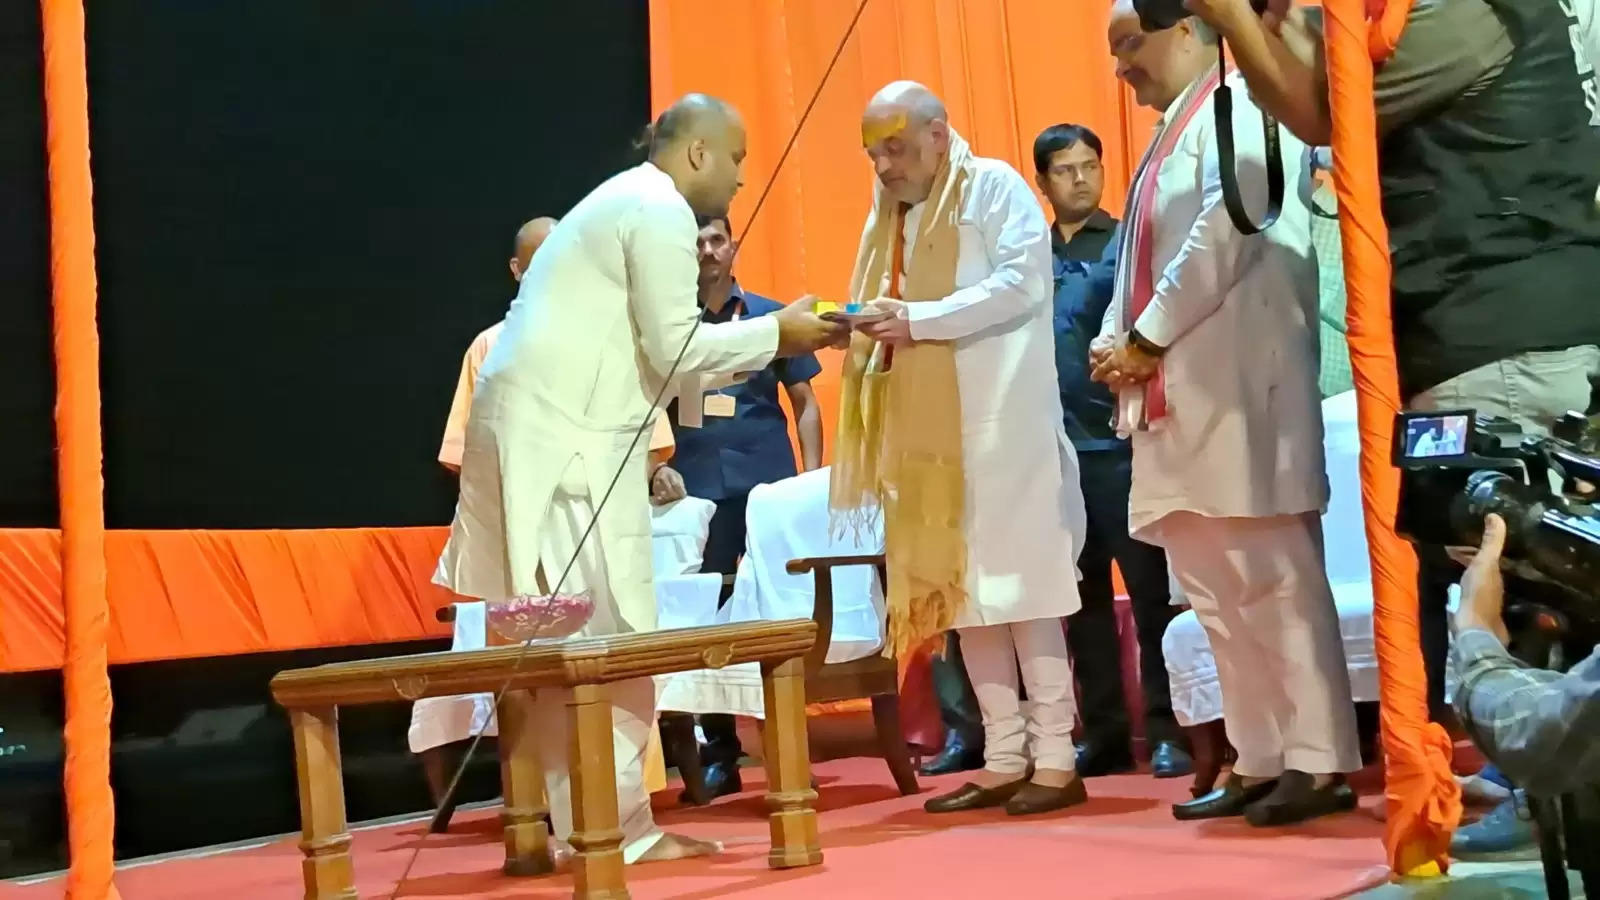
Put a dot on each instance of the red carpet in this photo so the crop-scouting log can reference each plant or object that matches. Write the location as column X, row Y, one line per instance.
column 1123, row 844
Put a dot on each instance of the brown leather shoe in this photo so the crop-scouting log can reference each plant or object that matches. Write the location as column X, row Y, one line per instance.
column 1033, row 799
column 970, row 796
column 1297, row 798
column 1228, row 800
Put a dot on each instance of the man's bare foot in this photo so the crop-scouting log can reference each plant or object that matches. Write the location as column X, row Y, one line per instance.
column 676, row 846
column 988, row 779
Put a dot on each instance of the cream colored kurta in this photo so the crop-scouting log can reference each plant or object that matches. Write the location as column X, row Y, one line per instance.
column 455, row 427
column 1243, row 431
column 604, row 308
column 1024, row 507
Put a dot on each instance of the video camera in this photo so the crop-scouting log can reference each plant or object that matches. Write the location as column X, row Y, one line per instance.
column 1159, row 15
column 1457, row 468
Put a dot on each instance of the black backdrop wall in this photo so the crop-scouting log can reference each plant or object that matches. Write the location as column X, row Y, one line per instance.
column 303, row 214
column 27, row 387
column 303, row 211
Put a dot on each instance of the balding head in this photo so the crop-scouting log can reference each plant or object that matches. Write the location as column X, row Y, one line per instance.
column 1158, row 65
column 914, row 100
column 529, row 237
column 906, row 133
column 700, row 142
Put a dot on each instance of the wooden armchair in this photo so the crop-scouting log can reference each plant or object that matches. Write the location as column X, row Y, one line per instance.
column 876, row 678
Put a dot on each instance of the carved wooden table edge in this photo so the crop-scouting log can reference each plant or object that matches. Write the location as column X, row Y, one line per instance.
column 584, row 660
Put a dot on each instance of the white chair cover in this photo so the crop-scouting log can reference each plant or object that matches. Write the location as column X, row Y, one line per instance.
column 678, row 532
column 786, row 520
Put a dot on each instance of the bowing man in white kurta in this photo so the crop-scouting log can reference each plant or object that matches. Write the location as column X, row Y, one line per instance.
column 1023, row 516
column 1211, row 342
column 561, row 407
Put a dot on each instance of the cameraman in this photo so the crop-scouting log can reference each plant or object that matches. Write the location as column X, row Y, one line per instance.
column 1540, row 727
column 1488, row 169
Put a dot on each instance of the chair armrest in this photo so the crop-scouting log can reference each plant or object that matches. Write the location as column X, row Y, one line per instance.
column 813, row 563
column 821, row 569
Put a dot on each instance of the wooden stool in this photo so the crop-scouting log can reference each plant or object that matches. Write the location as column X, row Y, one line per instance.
column 588, row 666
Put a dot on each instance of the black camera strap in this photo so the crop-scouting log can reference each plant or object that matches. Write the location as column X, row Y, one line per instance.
column 1230, row 173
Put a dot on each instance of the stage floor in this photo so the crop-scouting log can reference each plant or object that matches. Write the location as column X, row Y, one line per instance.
column 1124, row 844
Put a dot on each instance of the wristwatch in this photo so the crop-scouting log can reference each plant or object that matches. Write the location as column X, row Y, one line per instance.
column 1145, row 345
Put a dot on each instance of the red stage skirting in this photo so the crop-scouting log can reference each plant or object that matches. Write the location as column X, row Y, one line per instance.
column 178, row 594
column 1124, row 843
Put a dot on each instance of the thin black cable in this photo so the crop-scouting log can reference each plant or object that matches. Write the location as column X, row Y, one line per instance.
column 655, row 404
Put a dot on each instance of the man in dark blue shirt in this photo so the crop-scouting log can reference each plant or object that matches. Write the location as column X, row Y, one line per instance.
column 742, row 441
column 1084, row 240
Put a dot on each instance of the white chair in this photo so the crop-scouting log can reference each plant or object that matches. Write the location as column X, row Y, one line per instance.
column 794, row 568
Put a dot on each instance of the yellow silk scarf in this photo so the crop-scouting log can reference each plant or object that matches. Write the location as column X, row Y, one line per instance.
column 898, row 447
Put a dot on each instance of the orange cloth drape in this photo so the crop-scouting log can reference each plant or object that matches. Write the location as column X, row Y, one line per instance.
column 1423, row 800
column 1006, row 69
column 177, row 594
column 91, row 823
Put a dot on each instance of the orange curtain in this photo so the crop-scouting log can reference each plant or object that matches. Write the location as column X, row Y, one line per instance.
column 1423, row 800
column 91, row 822
column 1006, row 69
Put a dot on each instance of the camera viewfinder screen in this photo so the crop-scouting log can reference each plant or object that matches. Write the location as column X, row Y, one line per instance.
column 1434, row 437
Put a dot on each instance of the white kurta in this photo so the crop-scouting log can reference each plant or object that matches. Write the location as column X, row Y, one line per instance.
column 1024, row 508
column 1243, row 430
column 605, row 307
column 1231, row 480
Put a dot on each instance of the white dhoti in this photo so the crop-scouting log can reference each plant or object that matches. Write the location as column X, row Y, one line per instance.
column 1260, row 588
column 992, row 654
column 437, row 721
column 633, row 703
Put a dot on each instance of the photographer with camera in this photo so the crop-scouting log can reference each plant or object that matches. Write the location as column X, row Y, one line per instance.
column 1488, row 170
column 1541, row 728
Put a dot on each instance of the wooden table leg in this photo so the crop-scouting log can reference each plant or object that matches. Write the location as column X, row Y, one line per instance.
column 787, row 755
column 324, row 838
column 522, row 783
column 596, row 833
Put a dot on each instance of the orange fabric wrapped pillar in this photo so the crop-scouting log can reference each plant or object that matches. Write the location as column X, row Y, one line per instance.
column 90, row 811
column 1423, row 799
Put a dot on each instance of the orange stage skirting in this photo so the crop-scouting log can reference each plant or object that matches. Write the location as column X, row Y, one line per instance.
column 184, row 594
column 176, row 594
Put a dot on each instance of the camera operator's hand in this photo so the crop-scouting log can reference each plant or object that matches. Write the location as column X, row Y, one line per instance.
column 1482, row 589
column 1226, row 15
